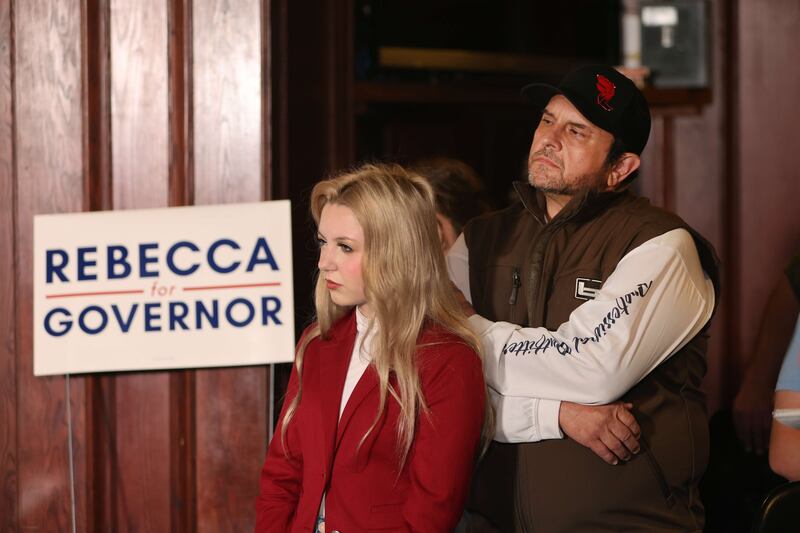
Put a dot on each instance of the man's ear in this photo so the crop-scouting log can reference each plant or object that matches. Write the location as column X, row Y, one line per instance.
column 621, row 169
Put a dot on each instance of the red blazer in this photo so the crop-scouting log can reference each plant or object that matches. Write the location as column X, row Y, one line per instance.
column 364, row 489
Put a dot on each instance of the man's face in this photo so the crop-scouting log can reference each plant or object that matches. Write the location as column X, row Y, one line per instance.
column 568, row 153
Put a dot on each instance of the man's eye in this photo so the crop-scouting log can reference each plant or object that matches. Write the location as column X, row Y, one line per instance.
column 578, row 133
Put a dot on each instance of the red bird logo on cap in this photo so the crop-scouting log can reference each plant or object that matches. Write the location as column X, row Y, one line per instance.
column 605, row 92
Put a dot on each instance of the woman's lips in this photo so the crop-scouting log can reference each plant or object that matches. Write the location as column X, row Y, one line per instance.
column 332, row 284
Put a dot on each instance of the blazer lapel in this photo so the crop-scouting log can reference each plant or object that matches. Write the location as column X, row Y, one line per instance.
column 334, row 357
column 365, row 386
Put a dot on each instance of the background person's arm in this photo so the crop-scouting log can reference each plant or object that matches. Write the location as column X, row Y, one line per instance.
column 784, row 448
column 752, row 406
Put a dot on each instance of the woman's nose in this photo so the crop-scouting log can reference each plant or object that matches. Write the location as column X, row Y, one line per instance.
column 324, row 262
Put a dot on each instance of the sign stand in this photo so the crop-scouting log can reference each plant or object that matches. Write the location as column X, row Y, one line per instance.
column 71, row 455
column 271, row 410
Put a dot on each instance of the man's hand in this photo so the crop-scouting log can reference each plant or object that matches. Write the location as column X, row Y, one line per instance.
column 466, row 307
column 610, row 430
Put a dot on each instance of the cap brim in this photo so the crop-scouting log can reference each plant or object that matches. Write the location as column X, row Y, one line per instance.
column 539, row 94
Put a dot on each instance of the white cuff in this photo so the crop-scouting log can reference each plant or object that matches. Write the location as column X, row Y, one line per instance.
column 521, row 419
column 547, row 418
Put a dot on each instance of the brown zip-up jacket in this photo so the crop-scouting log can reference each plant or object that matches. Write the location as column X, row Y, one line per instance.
column 526, row 271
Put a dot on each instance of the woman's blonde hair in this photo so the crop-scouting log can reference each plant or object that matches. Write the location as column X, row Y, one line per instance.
column 405, row 283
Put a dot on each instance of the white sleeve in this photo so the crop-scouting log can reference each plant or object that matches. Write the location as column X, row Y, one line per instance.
column 458, row 266
column 656, row 300
column 521, row 419
column 518, row 418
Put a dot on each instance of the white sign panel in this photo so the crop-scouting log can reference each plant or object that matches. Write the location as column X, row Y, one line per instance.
column 182, row 287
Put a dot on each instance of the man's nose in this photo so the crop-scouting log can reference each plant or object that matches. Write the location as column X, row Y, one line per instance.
column 551, row 139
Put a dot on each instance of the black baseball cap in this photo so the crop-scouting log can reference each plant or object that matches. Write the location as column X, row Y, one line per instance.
column 605, row 97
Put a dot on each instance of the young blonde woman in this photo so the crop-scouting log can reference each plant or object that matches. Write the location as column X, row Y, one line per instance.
column 386, row 404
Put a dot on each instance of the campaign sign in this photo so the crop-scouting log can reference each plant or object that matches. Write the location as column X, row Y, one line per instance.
column 183, row 287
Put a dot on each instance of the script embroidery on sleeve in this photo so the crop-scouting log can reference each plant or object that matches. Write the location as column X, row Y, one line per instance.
column 545, row 341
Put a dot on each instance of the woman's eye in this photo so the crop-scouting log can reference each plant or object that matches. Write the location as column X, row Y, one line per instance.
column 321, row 242
column 346, row 249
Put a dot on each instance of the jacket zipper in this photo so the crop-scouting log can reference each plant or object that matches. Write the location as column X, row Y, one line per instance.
column 516, row 283
column 659, row 476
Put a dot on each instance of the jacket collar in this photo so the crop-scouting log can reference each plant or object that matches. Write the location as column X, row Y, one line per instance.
column 581, row 207
column 335, row 352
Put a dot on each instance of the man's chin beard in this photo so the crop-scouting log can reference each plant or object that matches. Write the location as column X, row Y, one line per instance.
column 583, row 186
column 556, row 191
column 551, row 189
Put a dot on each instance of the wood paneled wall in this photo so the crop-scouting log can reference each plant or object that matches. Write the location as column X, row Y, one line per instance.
column 733, row 173
column 114, row 104
column 684, row 169
column 9, row 454
column 766, row 179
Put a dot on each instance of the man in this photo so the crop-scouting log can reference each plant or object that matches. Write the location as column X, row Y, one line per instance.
column 585, row 293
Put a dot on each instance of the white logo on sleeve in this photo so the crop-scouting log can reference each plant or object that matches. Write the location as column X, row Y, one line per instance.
column 586, row 289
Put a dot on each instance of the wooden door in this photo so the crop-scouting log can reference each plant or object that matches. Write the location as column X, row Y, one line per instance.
column 120, row 104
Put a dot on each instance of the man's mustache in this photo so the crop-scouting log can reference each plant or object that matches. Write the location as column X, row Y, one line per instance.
column 549, row 154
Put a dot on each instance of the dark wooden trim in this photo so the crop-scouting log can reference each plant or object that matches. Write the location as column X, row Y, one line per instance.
column 183, row 486
column 423, row 93
column 97, row 194
column 266, row 101
column 663, row 101
column 339, row 74
column 668, row 163
column 731, row 204
column 101, row 451
column 96, row 59
column 9, row 440
column 181, row 171
column 183, row 455
column 278, row 97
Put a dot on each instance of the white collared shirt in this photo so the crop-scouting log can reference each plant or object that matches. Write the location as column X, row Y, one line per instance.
column 359, row 359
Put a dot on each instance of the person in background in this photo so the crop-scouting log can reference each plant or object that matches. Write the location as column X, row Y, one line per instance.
column 581, row 291
column 739, row 476
column 752, row 407
column 386, row 402
column 460, row 195
column 784, row 448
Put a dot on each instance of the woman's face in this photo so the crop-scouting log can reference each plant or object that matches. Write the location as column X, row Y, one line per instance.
column 341, row 250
